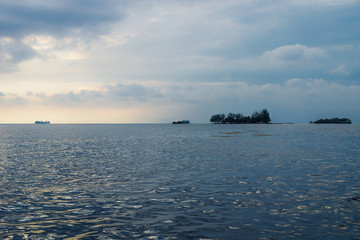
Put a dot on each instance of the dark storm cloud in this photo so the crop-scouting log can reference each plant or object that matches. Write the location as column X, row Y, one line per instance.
column 19, row 18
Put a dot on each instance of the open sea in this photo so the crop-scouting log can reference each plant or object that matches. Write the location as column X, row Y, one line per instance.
column 194, row 181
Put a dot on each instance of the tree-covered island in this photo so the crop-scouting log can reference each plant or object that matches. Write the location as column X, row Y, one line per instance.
column 237, row 118
column 333, row 120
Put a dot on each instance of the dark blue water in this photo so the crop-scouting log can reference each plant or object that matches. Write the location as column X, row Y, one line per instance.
column 180, row 181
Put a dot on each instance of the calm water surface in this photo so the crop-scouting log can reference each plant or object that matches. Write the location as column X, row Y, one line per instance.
column 196, row 181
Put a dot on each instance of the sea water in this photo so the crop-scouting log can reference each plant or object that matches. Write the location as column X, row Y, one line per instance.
column 193, row 181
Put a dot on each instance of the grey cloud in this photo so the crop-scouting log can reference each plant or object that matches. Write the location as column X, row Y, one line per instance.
column 299, row 100
column 19, row 18
column 83, row 18
column 239, row 40
column 295, row 100
column 341, row 70
column 83, row 97
column 18, row 101
column 109, row 95
column 12, row 100
column 12, row 52
column 132, row 91
column 66, row 98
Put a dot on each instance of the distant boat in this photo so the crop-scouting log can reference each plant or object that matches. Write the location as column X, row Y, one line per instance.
column 181, row 122
column 42, row 122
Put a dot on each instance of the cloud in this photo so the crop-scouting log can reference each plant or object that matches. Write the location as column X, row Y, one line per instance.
column 131, row 92
column 60, row 49
column 208, row 40
column 330, row 3
column 109, row 95
column 71, row 98
column 52, row 29
column 341, row 70
column 12, row 100
column 13, row 52
column 292, row 55
column 183, row 57
column 295, row 100
column 58, row 18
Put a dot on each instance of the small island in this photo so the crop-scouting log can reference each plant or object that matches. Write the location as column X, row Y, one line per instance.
column 237, row 118
column 42, row 122
column 181, row 122
column 333, row 121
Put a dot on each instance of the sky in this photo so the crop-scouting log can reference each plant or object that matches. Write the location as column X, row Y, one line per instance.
column 156, row 61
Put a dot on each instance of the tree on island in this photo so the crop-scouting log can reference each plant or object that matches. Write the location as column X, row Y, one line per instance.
column 237, row 118
column 218, row 118
column 261, row 117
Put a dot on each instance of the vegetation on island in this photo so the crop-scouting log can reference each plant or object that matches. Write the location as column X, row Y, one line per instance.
column 237, row 118
column 333, row 120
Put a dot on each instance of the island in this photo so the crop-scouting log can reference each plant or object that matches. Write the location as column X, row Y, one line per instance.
column 42, row 122
column 333, row 121
column 181, row 122
column 237, row 118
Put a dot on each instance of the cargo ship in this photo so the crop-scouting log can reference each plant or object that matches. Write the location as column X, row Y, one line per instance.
column 181, row 122
column 42, row 122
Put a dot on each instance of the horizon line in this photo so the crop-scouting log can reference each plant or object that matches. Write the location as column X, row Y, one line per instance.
column 149, row 123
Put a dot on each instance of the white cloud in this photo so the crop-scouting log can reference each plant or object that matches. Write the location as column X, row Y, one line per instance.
column 117, row 39
column 341, row 70
column 306, row 84
column 331, row 3
column 292, row 55
column 57, row 48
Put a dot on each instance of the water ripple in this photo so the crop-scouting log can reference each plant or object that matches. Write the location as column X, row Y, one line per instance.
column 161, row 182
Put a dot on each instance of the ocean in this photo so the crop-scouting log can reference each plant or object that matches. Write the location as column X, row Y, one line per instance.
column 191, row 181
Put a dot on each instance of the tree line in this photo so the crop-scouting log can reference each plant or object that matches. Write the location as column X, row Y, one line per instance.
column 334, row 120
column 237, row 118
